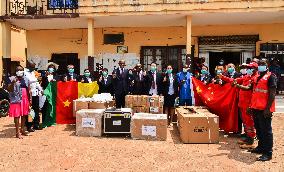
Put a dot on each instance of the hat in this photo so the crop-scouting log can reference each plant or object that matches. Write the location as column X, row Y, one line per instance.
column 253, row 65
column 54, row 64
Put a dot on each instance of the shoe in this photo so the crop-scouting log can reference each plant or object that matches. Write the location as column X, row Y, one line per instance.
column 242, row 141
column 264, row 158
column 31, row 130
column 256, row 151
column 37, row 128
column 248, row 146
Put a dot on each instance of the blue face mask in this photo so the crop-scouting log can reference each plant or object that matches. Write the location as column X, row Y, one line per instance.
column 51, row 70
column 204, row 72
column 249, row 71
column 71, row 70
column 262, row 68
column 231, row 70
column 219, row 72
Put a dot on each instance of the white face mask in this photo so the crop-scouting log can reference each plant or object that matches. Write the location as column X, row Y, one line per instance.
column 243, row 71
column 20, row 73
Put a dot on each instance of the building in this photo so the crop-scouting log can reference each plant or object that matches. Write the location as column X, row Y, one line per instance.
column 97, row 33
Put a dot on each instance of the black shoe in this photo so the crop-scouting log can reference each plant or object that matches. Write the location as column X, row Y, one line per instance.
column 256, row 151
column 264, row 158
column 31, row 130
column 37, row 128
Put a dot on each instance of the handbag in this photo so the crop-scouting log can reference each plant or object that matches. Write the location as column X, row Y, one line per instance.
column 31, row 115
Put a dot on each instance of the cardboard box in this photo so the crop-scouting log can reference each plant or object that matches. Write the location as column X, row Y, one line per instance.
column 149, row 126
column 78, row 105
column 195, row 127
column 101, row 105
column 89, row 122
column 156, row 101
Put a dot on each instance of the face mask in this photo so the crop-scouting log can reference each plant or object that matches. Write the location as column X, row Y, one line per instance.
column 153, row 69
column 105, row 74
column 221, row 63
column 184, row 70
column 71, row 70
column 262, row 68
column 243, row 71
column 130, row 73
column 169, row 71
column 203, row 71
column 250, row 71
column 219, row 72
column 50, row 70
column 87, row 74
column 20, row 73
column 231, row 70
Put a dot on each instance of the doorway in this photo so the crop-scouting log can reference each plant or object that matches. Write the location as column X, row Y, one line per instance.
column 164, row 55
column 64, row 59
column 228, row 57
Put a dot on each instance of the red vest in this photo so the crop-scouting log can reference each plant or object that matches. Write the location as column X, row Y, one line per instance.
column 245, row 95
column 260, row 94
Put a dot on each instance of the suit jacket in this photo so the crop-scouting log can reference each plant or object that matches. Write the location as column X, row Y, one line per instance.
column 45, row 81
column 149, row 79
column 207, row 78
column 120, row 83
column 85, row 79
column 75, row 77
column 106, row 87
column 166, row 85
column 140, row 85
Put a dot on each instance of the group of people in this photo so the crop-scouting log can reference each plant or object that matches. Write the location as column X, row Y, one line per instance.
column 256, row 96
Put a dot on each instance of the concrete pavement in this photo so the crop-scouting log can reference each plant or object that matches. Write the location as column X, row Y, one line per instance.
column 280, row 103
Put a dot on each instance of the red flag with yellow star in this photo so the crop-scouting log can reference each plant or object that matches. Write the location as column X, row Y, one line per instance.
column 66, row 93
column 220, row 100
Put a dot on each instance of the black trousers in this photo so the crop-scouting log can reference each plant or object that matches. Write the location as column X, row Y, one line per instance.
column 263, row 132
column 240, row 121
column 35, row 107
column 120, row 100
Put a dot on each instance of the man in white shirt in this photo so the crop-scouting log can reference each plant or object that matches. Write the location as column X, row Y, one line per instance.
column 30, row 76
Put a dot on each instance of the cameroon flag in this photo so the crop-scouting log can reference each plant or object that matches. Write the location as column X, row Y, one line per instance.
column 60, row 97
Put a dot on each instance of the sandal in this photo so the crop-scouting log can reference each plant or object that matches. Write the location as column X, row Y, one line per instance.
column 18, row 135
column 25, row 133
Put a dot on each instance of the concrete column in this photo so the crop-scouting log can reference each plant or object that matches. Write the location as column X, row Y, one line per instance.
column 188, row 41
column 257, row 48
column 91, row 38
column 5, row 44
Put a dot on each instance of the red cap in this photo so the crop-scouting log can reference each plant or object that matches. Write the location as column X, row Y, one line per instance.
column 253, row 65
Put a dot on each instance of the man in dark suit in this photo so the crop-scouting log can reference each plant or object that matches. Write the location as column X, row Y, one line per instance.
column 140, row 87
column 105, row 82
column 71, row 76
column 120, row 84
column 87, row 77
column 154, row 81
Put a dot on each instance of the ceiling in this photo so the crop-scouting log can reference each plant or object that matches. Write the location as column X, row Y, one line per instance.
column 153, row 20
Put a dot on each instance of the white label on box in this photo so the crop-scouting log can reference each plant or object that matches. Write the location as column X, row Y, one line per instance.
column 117, row 122
column 161, row 99
column 154, row 109
column 149, row 131
column 152, row 99
column 89, row 122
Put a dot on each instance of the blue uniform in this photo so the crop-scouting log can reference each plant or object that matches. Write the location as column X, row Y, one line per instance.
column 184, row 88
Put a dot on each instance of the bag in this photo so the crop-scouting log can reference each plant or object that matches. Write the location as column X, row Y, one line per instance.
column 31, row 115
column 4, row 108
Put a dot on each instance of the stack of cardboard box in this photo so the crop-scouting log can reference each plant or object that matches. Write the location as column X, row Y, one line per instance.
column 145, row 104
column 197, row 125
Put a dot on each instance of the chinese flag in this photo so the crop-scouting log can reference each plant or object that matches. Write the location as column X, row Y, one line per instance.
column 220, row 100
column 66, row 93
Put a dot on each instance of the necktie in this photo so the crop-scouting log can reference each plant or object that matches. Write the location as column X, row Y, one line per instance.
column 153, row 81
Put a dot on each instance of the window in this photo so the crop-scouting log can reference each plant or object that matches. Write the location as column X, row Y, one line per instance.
column 116, row 39
column 62, row 4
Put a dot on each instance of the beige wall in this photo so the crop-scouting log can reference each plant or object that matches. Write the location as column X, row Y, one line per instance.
column 45, row 42
column 18, row 45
